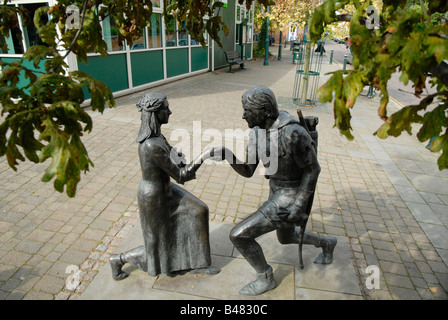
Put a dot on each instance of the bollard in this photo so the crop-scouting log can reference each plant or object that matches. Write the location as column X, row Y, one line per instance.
column 345, row 62
column 370, row 93
column 296, row 55
column 331, row 57
column 285, row 43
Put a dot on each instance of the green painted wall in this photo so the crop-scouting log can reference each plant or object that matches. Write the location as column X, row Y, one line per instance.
column 28, row 64
column 146, row 67
column 112, row 70
column 176, row 62
column 248, row 50
column 198, row 58
column 228, row 16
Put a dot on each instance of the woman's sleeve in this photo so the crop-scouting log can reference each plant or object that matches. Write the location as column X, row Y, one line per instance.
column 168, row 163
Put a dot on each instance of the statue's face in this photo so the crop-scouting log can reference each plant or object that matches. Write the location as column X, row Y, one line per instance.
column 254, row 117
column 163, row 114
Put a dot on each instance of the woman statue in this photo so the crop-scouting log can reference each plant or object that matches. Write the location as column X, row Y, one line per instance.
column 174, row 222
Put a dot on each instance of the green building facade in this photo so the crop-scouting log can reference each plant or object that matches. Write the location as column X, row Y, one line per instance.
column 166, row 52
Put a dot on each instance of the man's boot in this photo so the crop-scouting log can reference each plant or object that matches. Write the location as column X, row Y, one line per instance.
column 264, row 283
column 327, row 243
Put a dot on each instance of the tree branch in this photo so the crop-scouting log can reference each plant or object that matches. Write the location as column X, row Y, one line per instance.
column 348, row 18
column 78, row 33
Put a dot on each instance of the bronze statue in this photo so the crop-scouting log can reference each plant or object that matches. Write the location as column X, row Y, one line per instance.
column 292, row 185
column 174, row 222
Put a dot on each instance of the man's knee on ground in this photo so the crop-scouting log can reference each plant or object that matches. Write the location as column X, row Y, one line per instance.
column 286, row 236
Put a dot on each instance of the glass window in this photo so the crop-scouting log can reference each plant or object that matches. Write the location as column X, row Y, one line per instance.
column 244, row 33
column 170, row 32
column 13, row 42
column 110, row 33
column 31, row 36
column 156, row 3
column 195, row 42
column 155, row 31
column 249, row 33
column 237, row 34
column 183, row 35
column 140, row 43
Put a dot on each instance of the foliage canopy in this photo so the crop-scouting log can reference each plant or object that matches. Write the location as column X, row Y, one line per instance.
column 411, row 37
column 43, row 118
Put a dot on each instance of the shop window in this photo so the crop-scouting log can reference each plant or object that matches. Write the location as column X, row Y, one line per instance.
column 195, row 42
column 14, row 43
column 110, row 35
column 238, row 34
column 140, row 43
column 249, row 33
column 170, row 32
column 176, row 35
column 154, row 35
column 30, row 32
column 183, row 38
column 155, row 31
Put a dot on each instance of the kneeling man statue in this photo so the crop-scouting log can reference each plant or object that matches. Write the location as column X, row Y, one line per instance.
column 292, row 183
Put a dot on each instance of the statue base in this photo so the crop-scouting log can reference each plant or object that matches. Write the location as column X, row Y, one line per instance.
column 315, row 282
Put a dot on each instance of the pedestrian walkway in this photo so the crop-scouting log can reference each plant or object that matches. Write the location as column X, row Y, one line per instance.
column 385, row 200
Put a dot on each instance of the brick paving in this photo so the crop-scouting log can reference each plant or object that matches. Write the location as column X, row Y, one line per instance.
column 386, row 197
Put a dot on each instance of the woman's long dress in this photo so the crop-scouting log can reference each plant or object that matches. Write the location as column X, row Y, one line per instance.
column 174, row 222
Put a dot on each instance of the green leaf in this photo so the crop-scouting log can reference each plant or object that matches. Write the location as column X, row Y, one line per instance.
column 400, row 121
column 100, row 93
column 352, row 87
column 440, row 144
column 334, row 84
column 12, row 152
column 433, row 122
column 342, row 118
column 437, row 47
column 38, row 53
column 68, row 157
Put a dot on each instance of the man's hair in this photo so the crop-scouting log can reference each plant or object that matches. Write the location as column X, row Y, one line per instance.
column 261, row 98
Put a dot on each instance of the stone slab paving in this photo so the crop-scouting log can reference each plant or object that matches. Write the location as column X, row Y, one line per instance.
column 385, row 199
column 336, row 281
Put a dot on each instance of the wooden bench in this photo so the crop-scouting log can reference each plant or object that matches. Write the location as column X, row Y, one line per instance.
column 233, row 57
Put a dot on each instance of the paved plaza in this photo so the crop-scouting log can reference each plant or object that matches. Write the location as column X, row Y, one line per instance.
column 385, row 201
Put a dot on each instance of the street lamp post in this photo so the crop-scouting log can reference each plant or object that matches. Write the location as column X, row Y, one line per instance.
column 266, row 46
column 280, row 47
